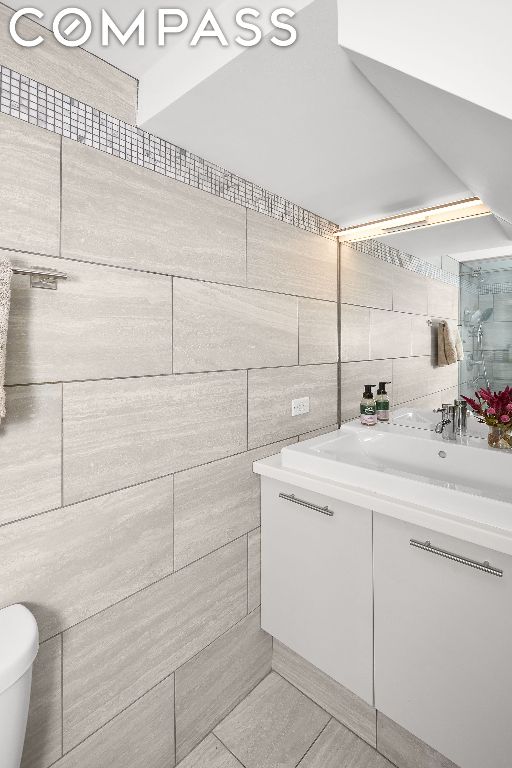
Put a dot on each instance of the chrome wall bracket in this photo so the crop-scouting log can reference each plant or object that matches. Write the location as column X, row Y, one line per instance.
column 42, row 277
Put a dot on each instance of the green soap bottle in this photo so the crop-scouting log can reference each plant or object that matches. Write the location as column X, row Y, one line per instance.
column 368, row 407
column 382, row 402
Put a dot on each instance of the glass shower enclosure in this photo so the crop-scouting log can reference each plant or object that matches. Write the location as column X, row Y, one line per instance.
column 486, row 324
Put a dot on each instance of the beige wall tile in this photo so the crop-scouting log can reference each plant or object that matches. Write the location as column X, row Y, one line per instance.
column 443, row 377
column 287, row 259
column 318, row 331
column 355, row 333
column 410, row 291
column 118, row 433
column 114, row 212
column 210, row 753
column 218, row 327
column 406, row 750
column 254, row 569
column 289, row 721
column 122, row 319
column 318, row 432
column 214, row 681
column 411, row 378
column 43, row 741
column 424, row 337
column 365, row 280
column 140, row 737
column 73, row 562
column 113, row 658
column 344, row 705
column 216, row 503
column 29, row 187
column 73, row 71
column 353, row 377
column 271, row 392
column 30, row 451
column 443, row 300
column 390, row 334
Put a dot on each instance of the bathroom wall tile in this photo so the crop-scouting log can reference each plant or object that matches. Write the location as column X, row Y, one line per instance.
column 318, row 331
column 43, row 741
column 140, row 737
column 503, row 307
column 424, row 336
column 443, row 377
column 289, row 721
column 216, row 503
column 443, row 300
column 287, row 259
column 218, row 327
column 355, row 333
column 344, row 705
column 71, row 70
column 318, row 432
column 410, row 291
column 118, row 433
column 217, row 679
column 405, row 750
column 390, row 334
column 271, row 392
column 72, row 562
column 100, row 323
column 210, row 753
column 254, row 569
column 336, row 740
column 30, row 451
column 114, row 657
column 353, row 377
column 29, row 187
column 365, row 280
column 435, row 400
column 114, row 212
column 411, row 378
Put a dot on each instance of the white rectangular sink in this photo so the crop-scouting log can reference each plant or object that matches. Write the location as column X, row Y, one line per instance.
column 411, row 465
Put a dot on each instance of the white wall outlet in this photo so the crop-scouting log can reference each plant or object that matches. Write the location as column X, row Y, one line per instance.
column 300, row 406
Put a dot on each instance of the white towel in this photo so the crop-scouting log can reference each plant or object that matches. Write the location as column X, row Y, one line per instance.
column 5, row 299
column 449, row 344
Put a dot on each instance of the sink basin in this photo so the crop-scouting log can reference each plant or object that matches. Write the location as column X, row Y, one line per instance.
column 425, row 418
column 411, row 465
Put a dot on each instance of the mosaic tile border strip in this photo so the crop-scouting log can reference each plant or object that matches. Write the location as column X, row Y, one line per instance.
column 392, row 255
column 35, row 103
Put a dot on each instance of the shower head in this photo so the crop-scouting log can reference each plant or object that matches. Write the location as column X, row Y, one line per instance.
column 480, row 316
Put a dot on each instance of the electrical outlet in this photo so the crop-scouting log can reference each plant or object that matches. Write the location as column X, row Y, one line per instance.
column 300, row 406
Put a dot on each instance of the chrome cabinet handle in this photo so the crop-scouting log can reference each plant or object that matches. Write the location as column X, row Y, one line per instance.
column 291, row 497
column 426, row 546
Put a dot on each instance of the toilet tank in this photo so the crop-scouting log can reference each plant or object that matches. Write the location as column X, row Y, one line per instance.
column 19, row 642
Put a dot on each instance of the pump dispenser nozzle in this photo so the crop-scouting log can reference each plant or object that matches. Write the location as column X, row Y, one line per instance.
column 382, row 387
column 368, row 393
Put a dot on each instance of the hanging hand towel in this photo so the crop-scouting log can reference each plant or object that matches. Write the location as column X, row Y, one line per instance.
column 449, row 344
column 5, row 298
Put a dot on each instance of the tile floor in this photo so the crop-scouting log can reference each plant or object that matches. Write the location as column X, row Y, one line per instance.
column 276, row 726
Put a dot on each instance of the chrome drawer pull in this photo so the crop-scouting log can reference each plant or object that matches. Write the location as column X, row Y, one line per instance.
column 485, row 567
column 308, row 504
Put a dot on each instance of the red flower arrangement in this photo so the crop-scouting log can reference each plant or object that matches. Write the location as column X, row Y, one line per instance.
column 493, row 408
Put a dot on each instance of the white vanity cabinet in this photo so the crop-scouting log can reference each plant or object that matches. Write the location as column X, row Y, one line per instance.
column 316, row 581
column 443, row 642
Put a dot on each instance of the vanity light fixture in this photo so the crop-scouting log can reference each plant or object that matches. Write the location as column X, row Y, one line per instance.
column 426, row 217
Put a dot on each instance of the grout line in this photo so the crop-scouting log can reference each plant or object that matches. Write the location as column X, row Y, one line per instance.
column 314, row 741
column 61, row 449
column 174, row 720
column 247, row 572
column 223, row 744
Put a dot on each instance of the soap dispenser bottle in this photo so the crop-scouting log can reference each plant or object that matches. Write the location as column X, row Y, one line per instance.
column 368, row 407
column 382, row 401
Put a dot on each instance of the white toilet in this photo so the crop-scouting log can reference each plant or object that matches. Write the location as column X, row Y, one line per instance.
column 19, row 642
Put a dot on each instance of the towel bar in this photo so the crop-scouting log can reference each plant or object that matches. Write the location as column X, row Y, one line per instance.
column 41, row 277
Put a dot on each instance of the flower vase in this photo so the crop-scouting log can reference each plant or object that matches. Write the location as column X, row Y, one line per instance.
column 500, row 437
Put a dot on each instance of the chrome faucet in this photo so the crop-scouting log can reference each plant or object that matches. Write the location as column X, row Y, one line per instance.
column 454, row 416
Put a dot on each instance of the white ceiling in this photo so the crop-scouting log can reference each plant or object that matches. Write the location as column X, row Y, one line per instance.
column 301, row 121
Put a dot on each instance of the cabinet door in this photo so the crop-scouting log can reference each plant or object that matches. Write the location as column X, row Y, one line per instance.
column 443, row 643
column 316, row 582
